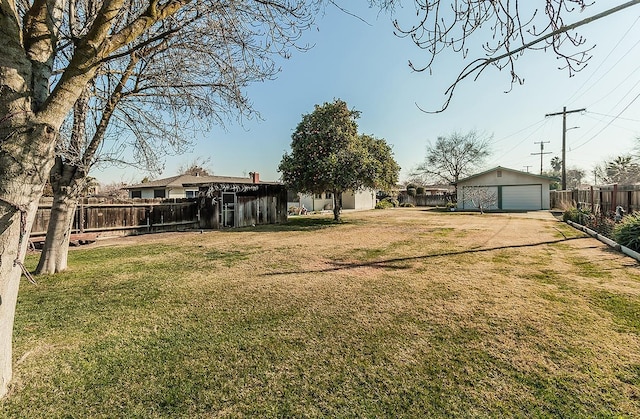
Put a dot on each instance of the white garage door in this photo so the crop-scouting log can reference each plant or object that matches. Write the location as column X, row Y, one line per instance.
column 527, row 197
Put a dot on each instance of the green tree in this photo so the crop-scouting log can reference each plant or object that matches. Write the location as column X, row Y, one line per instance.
column 457, row 155
column 556, row 164
column 622, row 169
column 328, row 154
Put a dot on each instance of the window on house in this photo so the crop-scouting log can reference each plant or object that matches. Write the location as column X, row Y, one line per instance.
column 136, row 194
column 499, row 173
column 191, row 194
column 158, row 193
column 328, row 195
column 318, row 196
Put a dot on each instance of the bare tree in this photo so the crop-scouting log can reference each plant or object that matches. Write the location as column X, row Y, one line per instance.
column 481, row 197
column 496, row 33
column 574, row 177
column 114, row 190
column 198, row 167
column 454, row 156
column 54, row 51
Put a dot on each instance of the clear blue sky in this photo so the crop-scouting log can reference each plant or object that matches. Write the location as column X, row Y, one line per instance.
column 365, row 64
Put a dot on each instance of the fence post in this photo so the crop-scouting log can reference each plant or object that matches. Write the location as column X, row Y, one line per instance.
column 614, row 197
column 81, row 216
column 593, row 204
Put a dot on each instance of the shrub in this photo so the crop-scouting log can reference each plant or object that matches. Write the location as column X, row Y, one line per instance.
column 627, row 233
column 387, row 203
column 576, row 215
column 384, row 204
column 451, row 205
column 600, row 223
column 411, row 191
column 420, row 190
column 407, row 204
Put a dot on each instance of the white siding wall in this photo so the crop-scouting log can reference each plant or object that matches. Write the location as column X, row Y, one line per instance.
column 175, row 193
column 361, row 200
column 311, row 203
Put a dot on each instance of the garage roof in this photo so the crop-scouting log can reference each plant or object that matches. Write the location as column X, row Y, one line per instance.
column 506, row 169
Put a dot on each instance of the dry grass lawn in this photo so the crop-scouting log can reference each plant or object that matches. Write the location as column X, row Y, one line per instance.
column 396, row 313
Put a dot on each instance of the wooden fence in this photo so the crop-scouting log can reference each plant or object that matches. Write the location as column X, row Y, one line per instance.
column 137, row 216
column 124, row 217
column 426, row 200
column 603, row 199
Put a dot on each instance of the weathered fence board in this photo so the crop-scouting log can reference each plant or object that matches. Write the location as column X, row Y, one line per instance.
column 245, row 206
column 425, row 200
column 603, row 199
column 139, row 215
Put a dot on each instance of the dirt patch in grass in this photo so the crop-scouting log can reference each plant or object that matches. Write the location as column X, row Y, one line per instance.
column 392, row 313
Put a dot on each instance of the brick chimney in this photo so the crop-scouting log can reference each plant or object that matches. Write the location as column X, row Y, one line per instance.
column 255, row 177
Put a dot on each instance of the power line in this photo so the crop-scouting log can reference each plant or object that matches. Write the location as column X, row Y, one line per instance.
column 611, row 116
column 543, row 122
column 610, row 122
column 519, row 131
column 634, row 72
column 603, row 62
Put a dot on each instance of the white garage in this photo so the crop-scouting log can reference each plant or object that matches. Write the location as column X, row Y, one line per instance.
column 504, row 189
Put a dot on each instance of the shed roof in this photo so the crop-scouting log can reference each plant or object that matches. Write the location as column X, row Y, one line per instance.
column 506, row 169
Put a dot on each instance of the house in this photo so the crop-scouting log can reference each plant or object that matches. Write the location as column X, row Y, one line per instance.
column 224, row 201
column 358, row 200
column 508, row 189
column 181, row 186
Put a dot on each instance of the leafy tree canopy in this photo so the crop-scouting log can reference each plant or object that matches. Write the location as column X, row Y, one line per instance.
column 623, row 169
column 328, row 154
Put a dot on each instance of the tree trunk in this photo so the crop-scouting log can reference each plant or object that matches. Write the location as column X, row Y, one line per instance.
column 337, row 205
column 54, row 254
column 26, row 156
column 67, row 182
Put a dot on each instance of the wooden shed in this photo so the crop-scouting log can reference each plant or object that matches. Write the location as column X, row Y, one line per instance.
column 241, row 203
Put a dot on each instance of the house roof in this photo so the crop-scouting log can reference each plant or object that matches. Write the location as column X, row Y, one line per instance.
column 505, row 169
column 191, row 180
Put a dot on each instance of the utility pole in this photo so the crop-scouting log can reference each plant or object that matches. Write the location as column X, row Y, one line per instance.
column 527, row 168
column 541, row 153
column 564, row 140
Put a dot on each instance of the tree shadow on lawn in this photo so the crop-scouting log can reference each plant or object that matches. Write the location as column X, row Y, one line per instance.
column 392, row 263
column 295, row 224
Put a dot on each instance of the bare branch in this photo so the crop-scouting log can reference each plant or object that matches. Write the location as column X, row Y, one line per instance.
column 451, row 27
